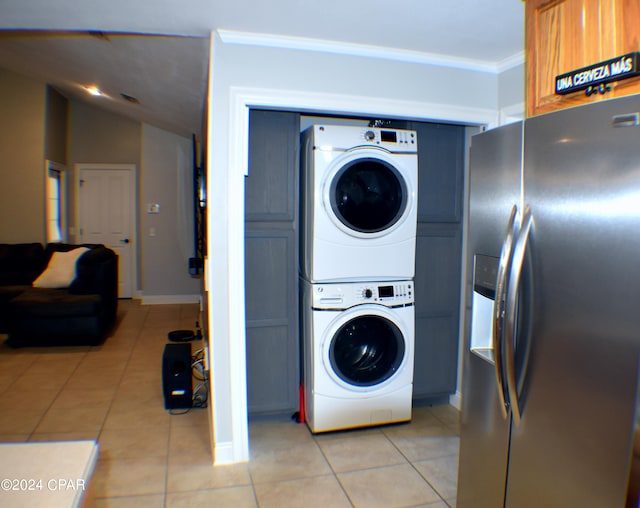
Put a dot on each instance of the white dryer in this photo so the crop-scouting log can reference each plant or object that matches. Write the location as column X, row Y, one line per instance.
column 359, row 192
column 358, row 349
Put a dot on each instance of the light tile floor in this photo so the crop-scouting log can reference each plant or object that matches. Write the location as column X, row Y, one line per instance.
column 149, row 458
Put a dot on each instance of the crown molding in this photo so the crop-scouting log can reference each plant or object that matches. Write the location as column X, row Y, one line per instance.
column 367, row 51
column 511, row 62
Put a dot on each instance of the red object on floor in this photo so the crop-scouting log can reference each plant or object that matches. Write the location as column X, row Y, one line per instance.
column 301, row 417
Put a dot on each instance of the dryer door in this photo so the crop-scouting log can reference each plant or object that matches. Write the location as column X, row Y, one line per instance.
column 365, row 349
column 366, row 195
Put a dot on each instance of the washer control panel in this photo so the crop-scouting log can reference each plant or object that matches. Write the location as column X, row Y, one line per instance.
column 345, row 295
column 392, row 136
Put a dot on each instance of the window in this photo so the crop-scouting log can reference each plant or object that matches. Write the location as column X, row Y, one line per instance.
column 55, row 203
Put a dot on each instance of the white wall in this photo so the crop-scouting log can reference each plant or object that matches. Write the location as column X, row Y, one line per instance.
column 511, row 94
column 165, row 173
column 166, row 163
column 96, row 136
column 22, row 149
column 242, row 76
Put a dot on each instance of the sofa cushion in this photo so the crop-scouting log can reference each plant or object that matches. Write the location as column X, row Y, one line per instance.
column 90, row 269
column 6, row 294
column 21, row 263
column 50, row 248
column 47, row 302
column 9, row 292
column 61, row 269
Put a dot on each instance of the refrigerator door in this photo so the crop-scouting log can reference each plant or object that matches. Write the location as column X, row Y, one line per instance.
column 582, row 182
column 495, row 188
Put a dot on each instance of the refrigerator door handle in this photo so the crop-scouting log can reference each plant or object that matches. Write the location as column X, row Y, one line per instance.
column 499, row 306
column 510, row 310
column 628, row 120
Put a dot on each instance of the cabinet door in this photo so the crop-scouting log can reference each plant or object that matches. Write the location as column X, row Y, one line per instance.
column 271, row 307
column 438, row 257
column 271, row 262
column 437, row 290
column 270, row 190
column 564, row 35
column 440, row 178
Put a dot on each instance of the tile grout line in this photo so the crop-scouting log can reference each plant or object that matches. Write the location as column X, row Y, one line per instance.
column 139, row 329
column 126, row 366
column 415, row 468
column 135, row 341
column 335, row 473
column 44, row 413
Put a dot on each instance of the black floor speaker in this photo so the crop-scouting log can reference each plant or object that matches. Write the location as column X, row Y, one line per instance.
column 176, row 376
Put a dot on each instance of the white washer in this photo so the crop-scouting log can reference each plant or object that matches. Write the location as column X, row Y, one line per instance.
column 358, row 353
column 359, row 203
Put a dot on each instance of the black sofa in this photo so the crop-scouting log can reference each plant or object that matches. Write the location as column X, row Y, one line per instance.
column 80, row 314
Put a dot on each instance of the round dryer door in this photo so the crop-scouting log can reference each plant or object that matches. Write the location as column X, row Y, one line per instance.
column 366, row 350
column 367, row 195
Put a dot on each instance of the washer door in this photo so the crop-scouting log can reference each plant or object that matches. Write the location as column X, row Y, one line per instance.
column 365, row 194
column 363, row 349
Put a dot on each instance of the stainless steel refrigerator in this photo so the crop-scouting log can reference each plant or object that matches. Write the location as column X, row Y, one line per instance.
column 550, row 380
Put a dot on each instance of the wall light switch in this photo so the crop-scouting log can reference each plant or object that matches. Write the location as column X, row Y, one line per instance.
column 152, row 231
column 153, row 207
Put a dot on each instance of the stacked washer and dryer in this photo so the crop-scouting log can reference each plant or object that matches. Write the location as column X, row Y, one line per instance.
column 359, row 219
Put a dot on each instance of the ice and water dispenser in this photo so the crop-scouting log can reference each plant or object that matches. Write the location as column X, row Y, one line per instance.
column 485, row 272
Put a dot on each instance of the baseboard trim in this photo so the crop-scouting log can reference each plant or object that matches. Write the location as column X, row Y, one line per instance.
column 223, row 454
column 455, row 400
column 169, row 299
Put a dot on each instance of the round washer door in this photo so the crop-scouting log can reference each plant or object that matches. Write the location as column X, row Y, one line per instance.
column 365, row 348
column 365, row 194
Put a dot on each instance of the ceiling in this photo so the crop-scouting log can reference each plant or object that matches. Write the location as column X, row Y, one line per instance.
column 156, row 51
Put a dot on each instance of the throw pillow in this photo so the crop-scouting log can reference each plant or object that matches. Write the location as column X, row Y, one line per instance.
column 61, row 269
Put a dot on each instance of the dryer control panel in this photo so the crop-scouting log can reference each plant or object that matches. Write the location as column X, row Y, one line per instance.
column 340, row 138
column 348, row 294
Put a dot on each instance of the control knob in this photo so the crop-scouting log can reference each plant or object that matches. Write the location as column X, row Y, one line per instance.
column 370, row 136
column 368, row 293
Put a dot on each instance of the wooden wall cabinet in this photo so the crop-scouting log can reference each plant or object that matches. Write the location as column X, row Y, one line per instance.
column 564, row 35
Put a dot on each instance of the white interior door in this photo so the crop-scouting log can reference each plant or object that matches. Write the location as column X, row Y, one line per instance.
column 106, row 214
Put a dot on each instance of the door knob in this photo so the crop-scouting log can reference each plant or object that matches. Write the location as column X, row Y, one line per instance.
column 126, row 240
